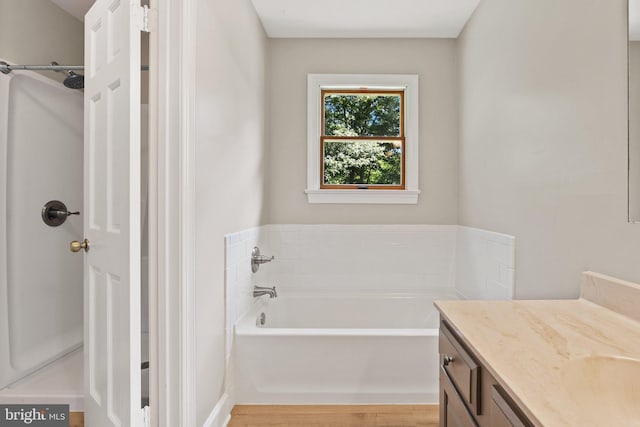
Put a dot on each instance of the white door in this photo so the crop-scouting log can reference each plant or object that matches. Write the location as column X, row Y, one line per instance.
column 112, row 213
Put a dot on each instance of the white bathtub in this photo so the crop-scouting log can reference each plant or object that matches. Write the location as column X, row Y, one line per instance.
column 339, row 349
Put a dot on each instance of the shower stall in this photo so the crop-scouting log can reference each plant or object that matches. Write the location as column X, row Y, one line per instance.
column 41, row 280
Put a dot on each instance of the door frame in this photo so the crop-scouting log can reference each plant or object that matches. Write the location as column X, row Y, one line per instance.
column 172, row 58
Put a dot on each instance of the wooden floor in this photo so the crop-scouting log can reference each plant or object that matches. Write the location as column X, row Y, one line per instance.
column 76, row 419
column 334, row 416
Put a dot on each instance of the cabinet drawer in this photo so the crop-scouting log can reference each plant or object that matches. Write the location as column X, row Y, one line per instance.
column 453, row 412
column 504, row 413
column 460, row 367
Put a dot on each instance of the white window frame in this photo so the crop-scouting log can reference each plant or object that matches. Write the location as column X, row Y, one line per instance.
column 407, row 82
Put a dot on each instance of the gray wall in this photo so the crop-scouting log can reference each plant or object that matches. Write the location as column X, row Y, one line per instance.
column 230, row 167
column 290, row 60
column 634, row 129
column 543, row 138
column 38, row 32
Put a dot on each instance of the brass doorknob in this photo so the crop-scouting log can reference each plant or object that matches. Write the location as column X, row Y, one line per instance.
column 76, row 246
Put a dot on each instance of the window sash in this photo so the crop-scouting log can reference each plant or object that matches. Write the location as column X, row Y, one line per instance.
column 384, row 92
column 401, row 138
column 402, row 184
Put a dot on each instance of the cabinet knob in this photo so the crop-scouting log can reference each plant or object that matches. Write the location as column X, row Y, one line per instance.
column 446, row 360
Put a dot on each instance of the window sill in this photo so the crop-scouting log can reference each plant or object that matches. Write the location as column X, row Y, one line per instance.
column 380, row 197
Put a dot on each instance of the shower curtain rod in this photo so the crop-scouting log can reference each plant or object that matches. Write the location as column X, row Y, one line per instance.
column 6, row 68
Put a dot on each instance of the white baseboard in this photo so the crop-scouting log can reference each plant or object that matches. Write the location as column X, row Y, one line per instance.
column 221, row 413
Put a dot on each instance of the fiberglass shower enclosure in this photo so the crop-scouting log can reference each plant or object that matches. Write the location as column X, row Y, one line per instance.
column 53, row 301
column 41, row 281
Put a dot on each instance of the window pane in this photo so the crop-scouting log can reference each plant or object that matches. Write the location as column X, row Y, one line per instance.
column 362, row 162
column 348, row 114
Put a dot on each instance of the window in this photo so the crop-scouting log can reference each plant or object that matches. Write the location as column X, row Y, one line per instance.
column 362, row 139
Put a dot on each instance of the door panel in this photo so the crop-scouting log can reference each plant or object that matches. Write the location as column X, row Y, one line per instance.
column 112, row 220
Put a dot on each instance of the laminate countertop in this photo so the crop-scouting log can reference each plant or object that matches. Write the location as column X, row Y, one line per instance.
column 564, row 362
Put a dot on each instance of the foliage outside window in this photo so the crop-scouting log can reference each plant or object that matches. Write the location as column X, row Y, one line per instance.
column 363, row 141
column 363, row 138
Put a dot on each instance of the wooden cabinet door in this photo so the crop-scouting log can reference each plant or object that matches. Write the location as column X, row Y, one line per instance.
column 453, row 412
column 503, row 412
column 462, row 369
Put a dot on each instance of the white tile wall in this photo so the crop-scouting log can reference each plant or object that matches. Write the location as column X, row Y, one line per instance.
column 485, row 264
column 360, row 258
column 239, row 279
column 475, row 263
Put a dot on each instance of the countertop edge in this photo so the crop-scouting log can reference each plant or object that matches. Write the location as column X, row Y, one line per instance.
column 530, row 415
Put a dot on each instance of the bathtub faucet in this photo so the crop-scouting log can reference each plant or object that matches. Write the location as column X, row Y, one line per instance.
column 258, row 291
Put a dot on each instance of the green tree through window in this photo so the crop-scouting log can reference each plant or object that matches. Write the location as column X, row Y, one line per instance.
column 363, row 138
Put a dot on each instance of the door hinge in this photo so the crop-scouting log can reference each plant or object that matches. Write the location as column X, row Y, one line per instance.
column 147, row 19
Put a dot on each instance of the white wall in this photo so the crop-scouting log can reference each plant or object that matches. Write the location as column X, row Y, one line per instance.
column 290, row 60
column 38, row 32
column 543, row 138
column 230, row 166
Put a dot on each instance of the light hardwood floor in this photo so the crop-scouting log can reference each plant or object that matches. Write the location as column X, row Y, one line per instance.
column 76, row 419
column 334, row 416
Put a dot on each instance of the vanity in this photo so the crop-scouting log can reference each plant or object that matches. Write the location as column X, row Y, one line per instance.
column 543, row 363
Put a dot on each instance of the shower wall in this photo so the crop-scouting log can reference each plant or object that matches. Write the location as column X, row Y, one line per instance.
column 38, row 32
column 41, row 126
column 41, row 139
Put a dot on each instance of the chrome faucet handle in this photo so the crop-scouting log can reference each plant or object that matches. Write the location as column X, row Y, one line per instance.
column 257, row 259
column 258, row 291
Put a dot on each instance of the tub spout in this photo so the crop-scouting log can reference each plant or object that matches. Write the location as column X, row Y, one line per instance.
column 258, row 291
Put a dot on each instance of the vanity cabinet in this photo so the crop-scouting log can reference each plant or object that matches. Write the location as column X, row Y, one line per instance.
column 469, row 395
column 453, row 411
column 505, row 413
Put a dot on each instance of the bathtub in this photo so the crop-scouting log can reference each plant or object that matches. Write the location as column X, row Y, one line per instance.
column 347, row 349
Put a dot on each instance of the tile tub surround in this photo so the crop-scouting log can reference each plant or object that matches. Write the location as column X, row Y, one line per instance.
column 329, row 258
column 565, row 362
column 485, row 264
column 360, row 258
column 239, row 279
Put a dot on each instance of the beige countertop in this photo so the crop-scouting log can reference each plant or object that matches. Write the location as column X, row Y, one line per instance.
column 565, row 362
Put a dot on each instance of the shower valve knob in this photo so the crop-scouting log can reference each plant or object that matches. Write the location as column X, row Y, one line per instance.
column 55, row 213
column 257, row 259
column 64, row 213
column 76, row 246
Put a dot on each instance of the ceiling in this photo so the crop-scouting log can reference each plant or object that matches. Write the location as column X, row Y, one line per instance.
column 77, row 8
column 364, row 18
column 347, row 18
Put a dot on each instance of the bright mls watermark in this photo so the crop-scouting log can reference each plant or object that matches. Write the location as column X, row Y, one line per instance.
column 34, row 415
